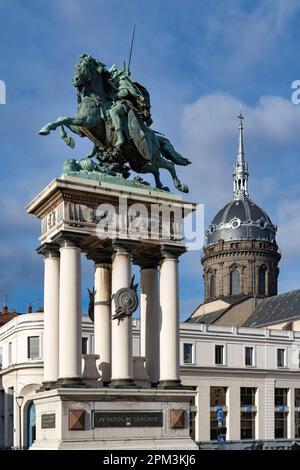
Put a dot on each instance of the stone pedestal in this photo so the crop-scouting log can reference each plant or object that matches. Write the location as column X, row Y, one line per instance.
column 93, row 419
column 144, row 228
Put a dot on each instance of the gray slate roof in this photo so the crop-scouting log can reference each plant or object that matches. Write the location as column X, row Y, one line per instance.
column 276, row 309
column 241, row 219
column 208, row 318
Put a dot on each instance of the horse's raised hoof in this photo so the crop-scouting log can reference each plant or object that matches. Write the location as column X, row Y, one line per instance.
column 44, row 131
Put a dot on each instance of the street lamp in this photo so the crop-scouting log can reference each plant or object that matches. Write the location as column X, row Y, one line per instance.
column 19, row 401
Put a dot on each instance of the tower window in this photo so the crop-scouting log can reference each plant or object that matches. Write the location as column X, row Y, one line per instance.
column 262, row 280
column 235, row 285
column 212, row 286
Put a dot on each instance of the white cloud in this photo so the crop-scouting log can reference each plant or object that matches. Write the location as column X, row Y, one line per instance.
column 239, row 39
column 288, row 213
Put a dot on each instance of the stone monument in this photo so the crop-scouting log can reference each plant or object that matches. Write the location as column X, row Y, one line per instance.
column 115, row 399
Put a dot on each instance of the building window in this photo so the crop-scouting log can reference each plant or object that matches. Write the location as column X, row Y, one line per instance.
column 297, row 413
column 33, row 347
column 280, row 357
column 248, row 412
column 262, row 280
column 1, row 357
column 212, row 286
column 188, row 353
column 281, row 396
column 84, row 345
column 9, row 353
column 235, row 287
column 248, row 424
column 218, row 412
column 219, row 354
column 249, row 356
column 281, row 415
column 297, row 424
column 281, row 425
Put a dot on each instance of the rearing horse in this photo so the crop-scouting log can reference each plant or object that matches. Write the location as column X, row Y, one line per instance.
column 145, row 150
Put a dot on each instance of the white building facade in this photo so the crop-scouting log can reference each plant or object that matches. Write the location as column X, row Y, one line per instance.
column 247, row 379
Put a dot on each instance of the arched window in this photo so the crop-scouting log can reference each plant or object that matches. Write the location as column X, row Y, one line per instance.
column 212, row 286
column 262, row 280
column 235, row 284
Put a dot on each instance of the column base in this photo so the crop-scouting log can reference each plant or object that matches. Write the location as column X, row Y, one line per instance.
column 169, row 384
column 47, row 385
column 122, row 383
column 70, row 382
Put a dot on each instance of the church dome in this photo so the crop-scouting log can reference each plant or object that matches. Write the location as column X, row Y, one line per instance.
column 241, row 219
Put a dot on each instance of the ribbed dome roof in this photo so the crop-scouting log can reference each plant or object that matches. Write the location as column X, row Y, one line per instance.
column 241, row 219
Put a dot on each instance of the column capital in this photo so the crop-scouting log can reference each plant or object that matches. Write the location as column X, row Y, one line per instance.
column 172, row 251
column 125, row 246
column 65, row 238
column 147, row 261
column 100, row 256
column 48, row 250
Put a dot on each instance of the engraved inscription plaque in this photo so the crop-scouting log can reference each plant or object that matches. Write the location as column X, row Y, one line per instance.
column 128, row 419
column 48, row 421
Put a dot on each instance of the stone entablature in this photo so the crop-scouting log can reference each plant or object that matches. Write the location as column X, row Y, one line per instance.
column 71, row 204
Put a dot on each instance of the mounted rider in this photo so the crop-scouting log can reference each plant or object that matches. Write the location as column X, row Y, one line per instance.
column 128, row 94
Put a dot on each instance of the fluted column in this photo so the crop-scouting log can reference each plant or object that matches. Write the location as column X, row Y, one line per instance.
column 102, row 314
column 70, row 313
column 51, row 313
column 149, row 318
column 121, row 366
column 169, row 318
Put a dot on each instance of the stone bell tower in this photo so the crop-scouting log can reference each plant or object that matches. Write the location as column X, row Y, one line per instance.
column 241, row 254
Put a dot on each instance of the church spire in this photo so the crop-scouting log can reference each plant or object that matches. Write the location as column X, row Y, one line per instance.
column 240, row 169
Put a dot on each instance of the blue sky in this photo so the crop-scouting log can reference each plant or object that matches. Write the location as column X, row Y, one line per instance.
column 199, row 60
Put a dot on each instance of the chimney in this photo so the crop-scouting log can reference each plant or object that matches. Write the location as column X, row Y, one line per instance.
column 29, row 308
column 4, row 309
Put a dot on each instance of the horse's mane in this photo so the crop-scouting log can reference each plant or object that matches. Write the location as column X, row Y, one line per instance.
column 102, row 71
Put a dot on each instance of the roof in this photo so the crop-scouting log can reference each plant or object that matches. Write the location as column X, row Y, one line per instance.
column 211, row 317
column 208, row 318
column 276, row 309
column 6, row 317
column 241, row 219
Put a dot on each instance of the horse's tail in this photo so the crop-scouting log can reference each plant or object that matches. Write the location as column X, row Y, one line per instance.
column 168, row 151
